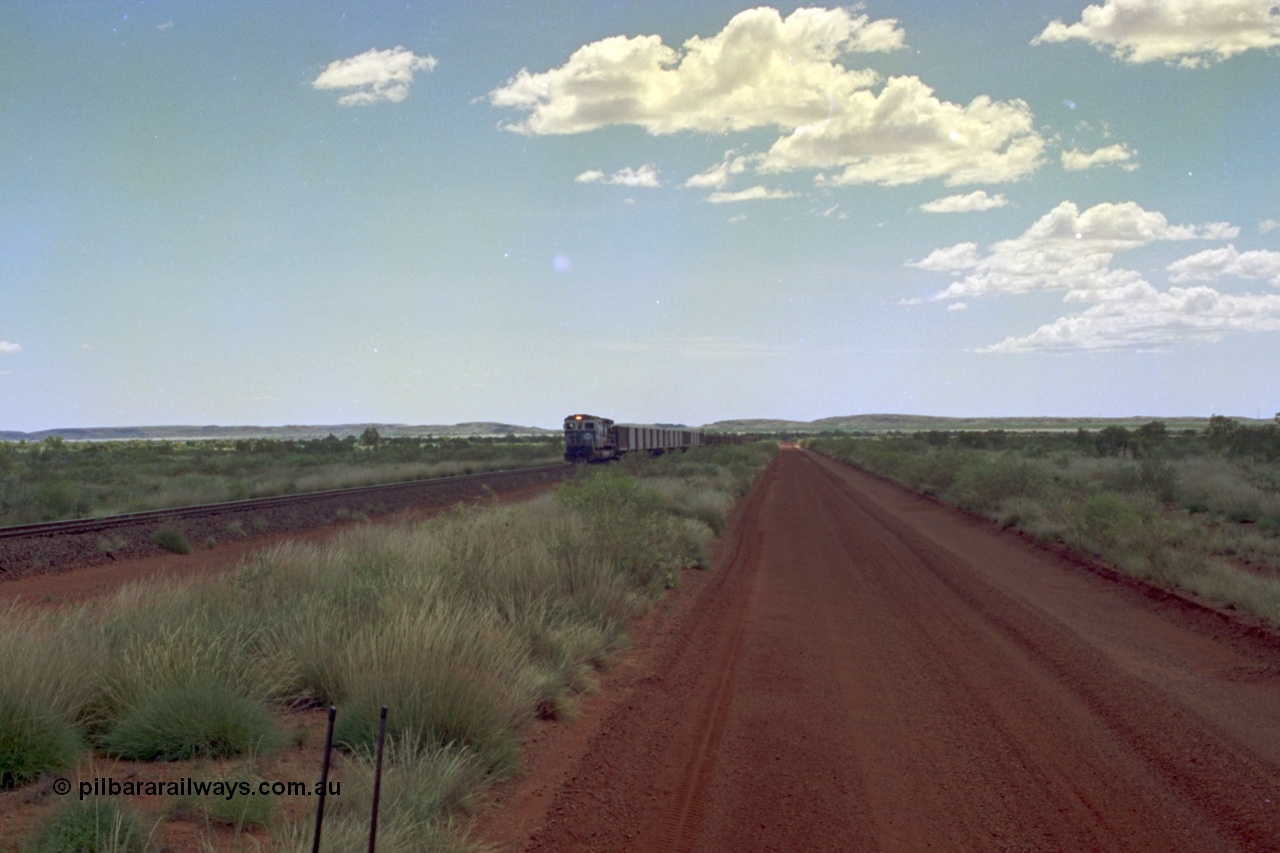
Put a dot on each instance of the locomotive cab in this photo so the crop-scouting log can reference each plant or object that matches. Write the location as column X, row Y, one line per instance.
column 588, row 438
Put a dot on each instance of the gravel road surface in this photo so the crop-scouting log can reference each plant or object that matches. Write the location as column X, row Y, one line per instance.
column 869, row 670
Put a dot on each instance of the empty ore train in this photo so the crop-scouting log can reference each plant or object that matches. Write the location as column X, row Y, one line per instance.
column 588, row 438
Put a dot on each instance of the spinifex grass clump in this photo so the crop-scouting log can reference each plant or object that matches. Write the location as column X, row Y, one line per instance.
column 635, row 529
column 420, row 789
column 47, row 687
column 191, row 721
column 184, row 675
column 33, row 741
column 456, row 674
column 91, row 826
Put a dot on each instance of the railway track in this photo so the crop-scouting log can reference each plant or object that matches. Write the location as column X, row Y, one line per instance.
column 106, row 522
column 53, row 546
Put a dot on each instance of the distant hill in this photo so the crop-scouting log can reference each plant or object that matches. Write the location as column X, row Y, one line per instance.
column 768, row 426
column 916, row 423
column 181, row 433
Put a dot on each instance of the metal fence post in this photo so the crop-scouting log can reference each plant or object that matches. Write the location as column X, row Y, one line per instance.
column 377, row 779
column 324, row 780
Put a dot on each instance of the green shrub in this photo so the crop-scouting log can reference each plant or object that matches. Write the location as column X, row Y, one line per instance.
column 171, row 540
column 937, row 471
column 91, row 826
column 983, row 486
column 188, row 721
column 1228, row 489
column 33, row 741
column 1150, row 476
column 1103, row 519
column 60, row 500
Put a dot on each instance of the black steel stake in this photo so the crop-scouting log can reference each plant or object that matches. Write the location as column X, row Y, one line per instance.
column 377, row 779
column 324, row 780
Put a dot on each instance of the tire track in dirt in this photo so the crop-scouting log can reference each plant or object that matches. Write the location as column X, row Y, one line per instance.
column 676, row 830
column 711, row 709
column 868, row 670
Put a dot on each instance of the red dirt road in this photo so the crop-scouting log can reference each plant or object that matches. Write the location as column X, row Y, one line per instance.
column 868, row 670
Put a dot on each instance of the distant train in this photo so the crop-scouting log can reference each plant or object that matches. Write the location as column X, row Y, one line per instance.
column 588, row 438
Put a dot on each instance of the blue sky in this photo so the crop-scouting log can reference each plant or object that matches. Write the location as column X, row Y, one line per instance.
column 320, row 212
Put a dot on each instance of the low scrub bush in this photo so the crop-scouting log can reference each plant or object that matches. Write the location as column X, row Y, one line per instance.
column 1102, row 520
column 60, row 500
column 1154, row 477
column 937, row 472
column 1226, row 488
column 1252, row 593
column 984, row 486
column 171, row 540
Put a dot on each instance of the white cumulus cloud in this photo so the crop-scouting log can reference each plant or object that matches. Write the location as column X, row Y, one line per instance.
column 1071, row 251
column 760, row 70
column 1212, row 264
column 1075, row 160
column 1268, row 225
column 976, row 200
column 9, row 348
column 906, row 134
column 1142, row 317
column 751, row 194
column 645, row 176
column 766, row 71
column 1066, row 249
column 375, row 75
column 1190, row 33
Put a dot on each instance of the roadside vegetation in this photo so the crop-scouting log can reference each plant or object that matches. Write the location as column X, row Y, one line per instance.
column 1191, row 510
column 467, row 626
column 55, row 479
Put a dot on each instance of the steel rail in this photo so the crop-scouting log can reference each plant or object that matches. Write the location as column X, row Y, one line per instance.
column 83, row 525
